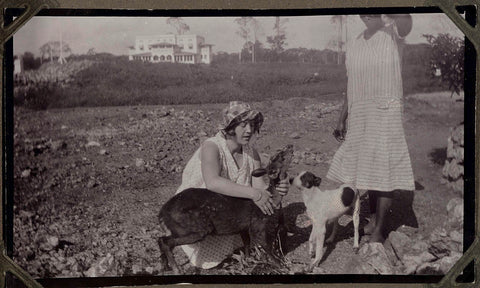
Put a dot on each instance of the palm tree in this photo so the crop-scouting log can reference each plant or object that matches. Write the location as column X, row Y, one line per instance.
column 180, row 26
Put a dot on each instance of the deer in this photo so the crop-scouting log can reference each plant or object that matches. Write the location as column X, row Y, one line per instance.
column 191, row 215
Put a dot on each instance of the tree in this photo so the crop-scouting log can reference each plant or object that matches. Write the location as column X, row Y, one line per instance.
column 277, row 41
column 54, row 50
column 447, row 54
column 339, row 20
column 30, row 62
column 248, row 28
column 178, row 24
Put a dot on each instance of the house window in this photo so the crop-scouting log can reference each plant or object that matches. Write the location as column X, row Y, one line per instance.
column 155, row 58
column 169, row 58
column 162, row 58
column 190, row 46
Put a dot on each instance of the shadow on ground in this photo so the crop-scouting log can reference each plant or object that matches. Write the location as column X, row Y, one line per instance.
column 401, row 213
column 438, row 155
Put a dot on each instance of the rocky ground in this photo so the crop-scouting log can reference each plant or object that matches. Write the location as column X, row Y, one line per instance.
column 89, row 183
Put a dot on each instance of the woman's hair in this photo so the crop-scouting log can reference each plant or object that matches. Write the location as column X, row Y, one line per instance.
column 255, row 123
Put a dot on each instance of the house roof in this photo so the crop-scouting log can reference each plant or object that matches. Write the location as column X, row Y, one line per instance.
column 162, row 44
column 142, row 54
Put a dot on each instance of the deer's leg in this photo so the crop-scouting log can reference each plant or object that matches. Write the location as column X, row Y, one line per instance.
column 168, row 243
column 167, row 255
column 246, row 242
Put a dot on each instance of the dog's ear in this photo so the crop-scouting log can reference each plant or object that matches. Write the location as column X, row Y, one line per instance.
column 317, row 181
column 308, row 180
column 259, row 172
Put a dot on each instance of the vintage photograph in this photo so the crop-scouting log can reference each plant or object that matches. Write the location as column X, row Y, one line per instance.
column 242, row 145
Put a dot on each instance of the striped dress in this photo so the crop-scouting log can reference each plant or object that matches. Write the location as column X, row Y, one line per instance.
column 374, row 155
column 211, row 251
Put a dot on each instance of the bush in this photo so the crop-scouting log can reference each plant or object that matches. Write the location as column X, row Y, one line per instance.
column 38, row 97
column 116, row 81
column 447, row 54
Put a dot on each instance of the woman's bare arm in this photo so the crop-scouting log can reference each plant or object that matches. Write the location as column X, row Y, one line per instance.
column 210, row 158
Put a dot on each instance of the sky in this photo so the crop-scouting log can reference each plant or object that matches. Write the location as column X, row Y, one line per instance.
column 115, row 34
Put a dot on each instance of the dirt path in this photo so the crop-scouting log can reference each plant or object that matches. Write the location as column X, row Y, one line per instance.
column 100, row 192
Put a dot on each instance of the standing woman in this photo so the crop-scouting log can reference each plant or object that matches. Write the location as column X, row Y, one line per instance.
column 374, row 155
column 224, row 164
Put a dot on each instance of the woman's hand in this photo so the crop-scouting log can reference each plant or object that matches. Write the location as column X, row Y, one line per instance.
column 264, row 201
column 283, row 186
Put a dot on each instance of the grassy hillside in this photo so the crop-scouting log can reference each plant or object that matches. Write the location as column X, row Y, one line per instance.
column 116, row 81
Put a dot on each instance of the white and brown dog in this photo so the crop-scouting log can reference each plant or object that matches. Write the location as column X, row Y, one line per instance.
column 324, row 206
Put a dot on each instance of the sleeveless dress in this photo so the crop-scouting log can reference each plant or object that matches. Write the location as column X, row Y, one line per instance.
column 374, row 155
column 211, row 251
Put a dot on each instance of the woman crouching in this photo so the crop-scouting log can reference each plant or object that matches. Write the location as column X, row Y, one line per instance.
column 224, row 164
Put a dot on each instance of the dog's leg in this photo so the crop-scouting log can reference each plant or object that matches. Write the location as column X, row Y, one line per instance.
column 334, row 231
column 356, row 221
column 320, row 237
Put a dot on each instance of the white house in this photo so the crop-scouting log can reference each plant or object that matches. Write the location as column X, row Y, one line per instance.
column 190, row 49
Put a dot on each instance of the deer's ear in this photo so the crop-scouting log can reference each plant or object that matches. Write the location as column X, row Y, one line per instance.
column 317, row 181
column 259, row 172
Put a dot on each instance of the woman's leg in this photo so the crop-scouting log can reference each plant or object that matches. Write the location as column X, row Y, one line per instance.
column 384, row 201
column 372, row 203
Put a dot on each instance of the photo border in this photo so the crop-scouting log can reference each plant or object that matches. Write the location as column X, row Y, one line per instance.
column 33, row 7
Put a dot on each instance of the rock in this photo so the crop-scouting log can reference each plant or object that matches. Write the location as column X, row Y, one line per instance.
column 357, row 266
column 374, row 255
column 139, row 162
column 407, row 230
column 456, row 236
column 92, row 144
column 149, row 270
column 91, row 272
column 102, row 152
column 390, row 252
column 457, row 186
column 420, row 246
column 58, row 145
column 136, row 269
column 428, row 269
column 53, row 240
column 458, row 135
column 91, row 183
column 24, row 215
column 456, row 212
column 412, row 262
column 26, row 173
column 295, row 135
column 400, row 242
column 158, row 267
column 447, row 263
column 102, row 267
